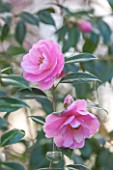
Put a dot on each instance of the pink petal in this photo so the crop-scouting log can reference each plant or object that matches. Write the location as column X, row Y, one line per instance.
column 85, row 128
column 34, row 55
column 28, row 66
column 69, row 120
column 75, row 123
column 77, row 145
column 46, row 85
column 68, row 138
column 93, row 125
column 81, row 105
column 58, row 140
column 78, row 135
column 62, row 130
column 51, row 128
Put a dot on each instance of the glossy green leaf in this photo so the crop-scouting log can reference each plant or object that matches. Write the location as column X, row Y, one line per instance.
column 29, row 18
column 102, row 69
column 104, row 159
column 96, row 106
column 13, row 165
column 38, row 119
column 9, row 104
column 105, row 30
column 73, row 36
column 111, row 3
column 84, row 90
column 14, row 80
column 46, row 17
column 83, row 57
column 93, row 40
column 84, row 12
column 20, row 32
column 40, row 149
column 3, row 124
column 61, row 33
column 50, row 10
column 4, row 6
column 2, row 167
column 5, row 31
column 38, row 95
column 77, row 166
column 76, row 78
column 15, row 50
column 11, row 137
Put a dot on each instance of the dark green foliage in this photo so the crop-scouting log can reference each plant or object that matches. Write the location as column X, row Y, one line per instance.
column 29, row 18
column 45, row 17
column 11, row 137
column 20, row 32
column 11, row 166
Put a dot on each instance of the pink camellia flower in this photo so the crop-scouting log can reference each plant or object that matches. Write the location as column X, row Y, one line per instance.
column 72, row 126
column 43, row 63
column 84, row 26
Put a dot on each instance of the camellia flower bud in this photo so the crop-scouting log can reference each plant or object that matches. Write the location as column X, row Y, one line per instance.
column 84, row 26
column 68, row 101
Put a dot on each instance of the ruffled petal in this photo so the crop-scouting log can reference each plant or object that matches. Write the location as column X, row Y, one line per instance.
column 58, row 140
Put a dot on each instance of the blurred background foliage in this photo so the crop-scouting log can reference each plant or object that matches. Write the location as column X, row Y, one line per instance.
column 19, row 29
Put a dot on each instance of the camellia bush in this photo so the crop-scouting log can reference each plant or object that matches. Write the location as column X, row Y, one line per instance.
column 60, row 74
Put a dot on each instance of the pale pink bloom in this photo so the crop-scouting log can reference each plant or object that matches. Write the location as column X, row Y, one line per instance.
column 43, row 63
column 72, row 127
column 84, row 26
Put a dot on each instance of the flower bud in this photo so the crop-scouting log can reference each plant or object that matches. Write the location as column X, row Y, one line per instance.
column 84, row 26
column 68, row 101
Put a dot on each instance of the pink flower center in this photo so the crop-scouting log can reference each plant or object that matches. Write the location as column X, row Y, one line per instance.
column 40, row 60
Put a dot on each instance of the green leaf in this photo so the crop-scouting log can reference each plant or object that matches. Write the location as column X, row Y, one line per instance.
column 3, row 124
column 110, row 3
column 9, row 104
column 45, row 17
column 77, row 166
column 50, row 10
column 13, row 165
column 5, row 7
column 73, row 36
column 38, row 95
column 14, row 80
column 5, row 31
column 83, row 90
column 93, row 40
column 83, row 57
column 40, row 149
column 98, row 67
column 20, row 32
column 11, row 137
column 76, row 78
column 38, row 119
column 105, row 31
column 68, row 152
column 84, row 12
column 15, row 50
column 61, row 33
column 104, row 159
column 29, row 18
column 96, row 106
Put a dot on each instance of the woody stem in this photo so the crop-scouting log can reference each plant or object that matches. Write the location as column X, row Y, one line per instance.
column 54, row 109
